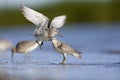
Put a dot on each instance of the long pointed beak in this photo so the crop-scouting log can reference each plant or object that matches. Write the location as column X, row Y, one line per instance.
column 60, row 34
column 12, row 56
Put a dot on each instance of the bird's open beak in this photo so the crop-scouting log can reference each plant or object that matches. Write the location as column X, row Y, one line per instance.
column 60, row 34
column 40, row 44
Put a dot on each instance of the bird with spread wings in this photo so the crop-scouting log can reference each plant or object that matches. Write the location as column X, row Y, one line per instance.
column 45, row 30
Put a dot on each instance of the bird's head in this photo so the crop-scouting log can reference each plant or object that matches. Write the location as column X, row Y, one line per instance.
column 54, row 32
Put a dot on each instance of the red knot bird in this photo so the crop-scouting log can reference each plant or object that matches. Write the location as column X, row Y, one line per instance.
column 24, row 47
column 65, row 49
column 45, row 30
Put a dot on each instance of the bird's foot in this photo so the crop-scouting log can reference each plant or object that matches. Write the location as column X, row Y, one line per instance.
column 62, row 63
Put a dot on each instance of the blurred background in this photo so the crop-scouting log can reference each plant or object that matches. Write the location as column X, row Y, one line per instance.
column 77, row 11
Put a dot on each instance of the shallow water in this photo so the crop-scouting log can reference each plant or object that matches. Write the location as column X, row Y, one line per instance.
column 100, row 54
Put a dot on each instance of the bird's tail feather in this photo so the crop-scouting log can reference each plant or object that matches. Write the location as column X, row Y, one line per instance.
column 77, row 55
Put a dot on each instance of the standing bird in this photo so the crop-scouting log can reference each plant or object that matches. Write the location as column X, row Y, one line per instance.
column 65, row 49
column 5, row 44
column 24, row 47
column 45, row 30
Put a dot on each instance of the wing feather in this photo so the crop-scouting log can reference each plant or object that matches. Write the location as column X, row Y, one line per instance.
column 58, row 22
column 40, row 29
column 33, row 16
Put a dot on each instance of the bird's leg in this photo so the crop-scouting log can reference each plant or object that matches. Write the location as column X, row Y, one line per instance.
column 64, row 59
column 27, row 58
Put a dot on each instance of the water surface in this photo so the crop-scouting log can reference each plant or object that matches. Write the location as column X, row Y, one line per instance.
column 98, row 43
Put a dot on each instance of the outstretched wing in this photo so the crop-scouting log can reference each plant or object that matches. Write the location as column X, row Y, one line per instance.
column 33, row 16
column 36, row 18
column 58, row 22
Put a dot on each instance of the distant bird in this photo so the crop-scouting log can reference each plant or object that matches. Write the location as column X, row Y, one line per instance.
column 5, row 44
column 24, row 47
column 45, row 30
column 65, row 49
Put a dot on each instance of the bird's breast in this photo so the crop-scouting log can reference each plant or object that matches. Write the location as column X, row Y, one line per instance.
column 32, row 48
